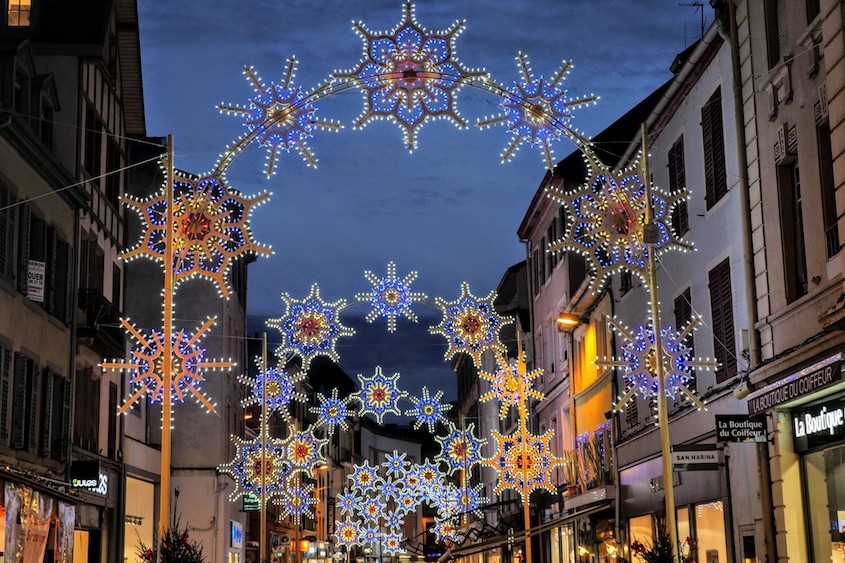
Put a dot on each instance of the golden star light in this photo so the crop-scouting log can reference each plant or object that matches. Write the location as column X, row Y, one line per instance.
column 511, row 384
column 524, row 461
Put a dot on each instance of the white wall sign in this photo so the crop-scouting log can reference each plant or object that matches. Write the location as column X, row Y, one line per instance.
column 35, row 275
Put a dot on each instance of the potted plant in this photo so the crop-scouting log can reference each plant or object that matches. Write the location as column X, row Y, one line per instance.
column 660, row 550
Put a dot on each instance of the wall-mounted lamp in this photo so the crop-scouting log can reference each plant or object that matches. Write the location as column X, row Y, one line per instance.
column 568, row 321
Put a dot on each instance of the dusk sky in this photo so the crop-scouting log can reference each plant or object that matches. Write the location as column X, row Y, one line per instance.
column 450, row 209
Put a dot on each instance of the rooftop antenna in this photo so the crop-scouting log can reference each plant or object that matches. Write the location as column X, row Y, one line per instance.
column 699, row 7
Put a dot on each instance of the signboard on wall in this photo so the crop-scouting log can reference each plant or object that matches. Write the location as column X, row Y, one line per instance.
column 36, row 272
column 818, row 425
column 805, row 382
column 740, row 428
column 236, row 534
column 696, row 457
column 250, row 503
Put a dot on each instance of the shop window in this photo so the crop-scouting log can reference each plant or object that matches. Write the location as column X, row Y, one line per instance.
column 710, row 532
column 721, row 307
column 824, row 479
column 640, row 529
column 713, row 140
column 792, row 231
column 18, row 13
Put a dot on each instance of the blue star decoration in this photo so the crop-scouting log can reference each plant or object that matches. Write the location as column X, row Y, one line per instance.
column 280, row 117
column 331, row 412
column 409, row 75
column 391, row 297
column 538, row 112
column 378, row 395
column 275, row 386
column 428, row 410
column 310, row 327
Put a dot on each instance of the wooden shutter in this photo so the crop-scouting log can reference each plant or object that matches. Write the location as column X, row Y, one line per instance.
column 23, row 247
column 721, row 304
column 50, row 266
column 715, row 179
column 7, row 233
column 18, row 402
column 33, row 407
column 683, row 315
column 65, row 433
column 70, row 285
column 5, row 380
column 47, row 413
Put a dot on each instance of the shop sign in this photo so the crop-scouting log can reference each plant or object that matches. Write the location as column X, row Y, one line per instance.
column 236, row 534
column 805, row 382
column 330, row 515
column 818, row 425
column 84, row 473
column 250, row 503
column 35, row 276
column 740, row 428
column 698, row 457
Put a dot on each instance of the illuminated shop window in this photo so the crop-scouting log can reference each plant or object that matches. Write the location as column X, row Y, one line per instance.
column 18, row 13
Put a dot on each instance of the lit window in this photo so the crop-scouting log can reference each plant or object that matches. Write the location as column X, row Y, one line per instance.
column 19, row 12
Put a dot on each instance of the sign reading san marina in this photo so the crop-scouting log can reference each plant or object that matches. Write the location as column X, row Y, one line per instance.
column 695, row 457
column 818, row 425
column 740, row 428
column 805, row 382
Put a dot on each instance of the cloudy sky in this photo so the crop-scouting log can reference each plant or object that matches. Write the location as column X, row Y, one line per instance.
column 449, row 210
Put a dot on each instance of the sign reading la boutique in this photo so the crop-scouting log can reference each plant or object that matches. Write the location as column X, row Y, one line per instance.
column 819, row 425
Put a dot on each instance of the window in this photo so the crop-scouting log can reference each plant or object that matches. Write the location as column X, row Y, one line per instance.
column 86, row 423
column 551, row 237
column 626, row 282
column 792, row 231
column 18, row 13
column 8, row 217
column 715, row 179
column 5, row 384
column 632, row 415
column 813, row 10
column 535, row 261
column 41, row 249
column 721, row 306
column 55, row 420
column 828, row 187
column 25, row 403
column 677, row 182
column 777, row 30
column 93, row 145
column 543, row 259
column 112, row 181
column 112, row 420
column 683, row 316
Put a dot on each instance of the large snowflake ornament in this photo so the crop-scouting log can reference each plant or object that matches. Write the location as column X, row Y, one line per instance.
column 428, row 410
column 639, row 362
column 379, row 394
column 391, row 297
column 524, row 461
column 280, row 116
column 392, row 543
column 187, row 365
column 275, row 387
column 246, row 468
column 364, row 478
column 210, row 228
column 609, row 215
column 304, row 451
column 511, row 385
column 296, row 502
column 538, row 112
column 310, row 327
column 409, row 75
column 460, row 450
column 372, row 508
column 332, row 412
column 346, row 532
column 470, row 325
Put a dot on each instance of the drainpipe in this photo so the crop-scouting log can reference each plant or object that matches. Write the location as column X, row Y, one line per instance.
column 767, row 505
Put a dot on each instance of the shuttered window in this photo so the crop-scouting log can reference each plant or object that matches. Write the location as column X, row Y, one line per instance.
column 683, row 316
column 8, row 216
column 55, row 422
column 677, row 182
column 86, row 422
column 712, row 135
column 25, row 403
column 777, row 30
column 721, row 306
column 5, row 388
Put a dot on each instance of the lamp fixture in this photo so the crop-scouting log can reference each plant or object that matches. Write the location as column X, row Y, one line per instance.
column 568, row 321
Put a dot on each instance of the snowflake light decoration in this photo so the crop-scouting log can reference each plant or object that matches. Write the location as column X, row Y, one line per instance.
column 460, row 449
column 409, row 75
column 639, row 362
column 331, row 412
column 446, row 528
column 523, row 475
column 372, row 508
column 310, row 327
column 369, row 535
column 406, row 501
column 304, row 451
column 245, row 469
column 187, row 364
column 511, row 384
column 378, row 395
column 393, row 521
column 274, row 386
column 210, row 228
column 346, row 532
column 428, row 410
column 347, row 503
column 470, row 325
column 392, row 542
column 391, row 297
column 364, row 477
column 296, row 502
column 395, row 464
column 538, row 111
column 609, row 215
column 280, row 116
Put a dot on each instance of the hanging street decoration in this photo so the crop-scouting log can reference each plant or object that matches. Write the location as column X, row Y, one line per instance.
column 210, row 228
column 280, row 116
column 639, row 363
column 609, row 215
column 460, row 449
column 510, row 385
column 524, row 462
column 331, row 412
column 346, row 533
column 470, row 325
column 310, row 327
column 379, row 395
column 391, row 297
column 245, row 469
column 187, row 366
column 409, row 75
column 275, row 387
column 428, row 410
column 538, row 112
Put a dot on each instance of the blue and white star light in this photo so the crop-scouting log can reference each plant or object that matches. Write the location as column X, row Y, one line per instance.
column 391, row 297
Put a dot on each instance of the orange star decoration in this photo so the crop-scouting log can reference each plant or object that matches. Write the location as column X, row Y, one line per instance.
column 511, row 384
column 210, row 228
column 524, row 461
column 187, row 363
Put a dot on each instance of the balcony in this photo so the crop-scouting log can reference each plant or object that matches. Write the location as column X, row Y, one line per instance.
column 98, row 324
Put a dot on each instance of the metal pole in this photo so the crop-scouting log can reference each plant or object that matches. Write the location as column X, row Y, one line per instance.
column 523, row 431
column 662, row 415
column 263, row 430
column 166, row 364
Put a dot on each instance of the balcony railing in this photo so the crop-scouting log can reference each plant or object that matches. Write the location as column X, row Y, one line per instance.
column 99, row 323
